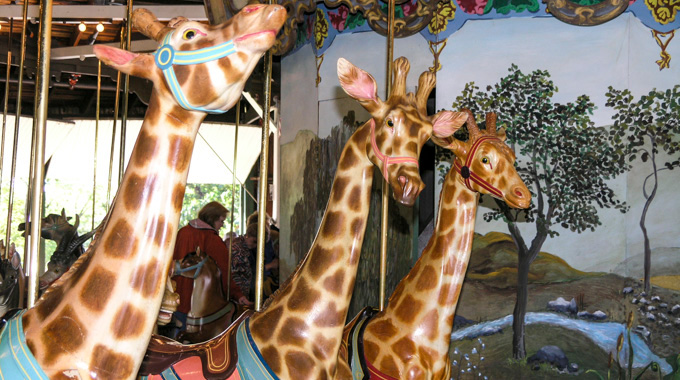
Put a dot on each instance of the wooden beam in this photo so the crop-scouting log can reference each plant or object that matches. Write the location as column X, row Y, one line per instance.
column 89, row 12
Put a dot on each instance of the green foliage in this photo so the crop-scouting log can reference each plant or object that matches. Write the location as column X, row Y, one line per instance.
column 562, row 157
column 197, row 195
column 647, row 126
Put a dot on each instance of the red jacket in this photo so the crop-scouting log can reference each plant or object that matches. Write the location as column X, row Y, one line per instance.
column 200, row 234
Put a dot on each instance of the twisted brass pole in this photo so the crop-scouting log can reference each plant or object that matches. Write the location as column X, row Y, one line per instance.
column 386, row 186
column 40, row 121
column 15, row 147
column 233, row 181
column 96, row 141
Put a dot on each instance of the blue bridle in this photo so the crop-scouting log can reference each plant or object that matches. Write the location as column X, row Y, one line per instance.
column 178, row 269
column 166, row 56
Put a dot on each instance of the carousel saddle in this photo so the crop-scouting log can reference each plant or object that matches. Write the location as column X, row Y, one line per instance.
column 231, row 355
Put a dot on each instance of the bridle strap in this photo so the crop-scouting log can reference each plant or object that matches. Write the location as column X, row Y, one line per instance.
column 166, row 56
column 387, row 160
column 198, row 321
column 198, row 267
column 468, row 175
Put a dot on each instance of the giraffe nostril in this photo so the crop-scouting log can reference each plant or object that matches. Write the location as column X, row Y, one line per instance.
column 519, row 193
column 402, row 180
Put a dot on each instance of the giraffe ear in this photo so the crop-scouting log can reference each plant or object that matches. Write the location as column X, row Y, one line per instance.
column 500, row 133
column 359, row 84
column 446, row 123
column 125, row 61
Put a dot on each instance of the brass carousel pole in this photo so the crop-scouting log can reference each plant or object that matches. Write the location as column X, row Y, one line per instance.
column 385, row 187
column 6, row 106
column 113, row 142
column 264, row 180
column 233, row 181
column 15, row 147
column 126, row 88
column 96, row 140
column 41, row 87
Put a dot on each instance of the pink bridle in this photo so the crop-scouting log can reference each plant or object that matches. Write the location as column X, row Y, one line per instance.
column 468, row 175
column 387, row 160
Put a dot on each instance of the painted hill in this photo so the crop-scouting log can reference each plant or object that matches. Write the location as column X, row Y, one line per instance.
column 494, row 261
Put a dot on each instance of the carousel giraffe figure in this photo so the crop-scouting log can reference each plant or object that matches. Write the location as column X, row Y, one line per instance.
column 95, row 322
column 410, row 338
column 299, row 331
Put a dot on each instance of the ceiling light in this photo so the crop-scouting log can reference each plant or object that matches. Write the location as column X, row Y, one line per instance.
column 100, row 27
column 82, row 26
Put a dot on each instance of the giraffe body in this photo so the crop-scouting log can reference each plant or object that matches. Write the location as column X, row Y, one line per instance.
column 410, row 338
column 95, row 322
column 300, row 329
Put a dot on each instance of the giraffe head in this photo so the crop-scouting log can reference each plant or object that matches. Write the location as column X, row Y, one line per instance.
column 486, row 164
column 399, row 126
column 221, row 56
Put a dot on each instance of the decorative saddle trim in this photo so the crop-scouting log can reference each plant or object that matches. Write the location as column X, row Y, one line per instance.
column 16, row 360
column 251, row 364
column 228, row 308
column 361, row 368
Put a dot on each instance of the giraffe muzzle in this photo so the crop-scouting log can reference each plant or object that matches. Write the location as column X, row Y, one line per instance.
column 407, row 189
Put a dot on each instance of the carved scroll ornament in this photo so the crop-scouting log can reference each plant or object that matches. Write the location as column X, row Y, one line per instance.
column 586, row 15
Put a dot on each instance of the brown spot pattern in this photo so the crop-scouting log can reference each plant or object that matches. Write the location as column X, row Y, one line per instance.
column 295, row 332
column 62, row 335
column 466, row 197
column 388, row 365
column 427, row 279
column 49, row 301
column 333, row 225
column 323, row 259
column 333, row 284
column 266, row 323
column 430, row 324
column 412, row 147
column 147, row 278
column 108, row 364
column 98, row 288
column 146, row 148
column 324, row 347
column 26, row 321
column 175, row 117
column 153, row 114
column 138, row 191
column 383, row 329
column 404, row 348
column 339, row 187
column 371, row 351
column 303, row 297
column 179, row 156
column 354, row 201
column 128, row 322
column 178, row 196
column 408, row 309
column 121, row 241
column 200, row 95
column 271, row 356
column 300, row 365
column 348, row 160
column 160, row 231
column 449, row 295
column 330, row 316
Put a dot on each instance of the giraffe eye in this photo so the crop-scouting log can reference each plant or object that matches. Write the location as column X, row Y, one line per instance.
column 485, row 160
column 189, row 34
column 390, row 123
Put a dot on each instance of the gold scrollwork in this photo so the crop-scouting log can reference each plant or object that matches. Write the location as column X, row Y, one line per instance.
column 586, row 15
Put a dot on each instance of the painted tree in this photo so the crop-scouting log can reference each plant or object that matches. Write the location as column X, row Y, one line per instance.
column 646, row 127
column 562, row 157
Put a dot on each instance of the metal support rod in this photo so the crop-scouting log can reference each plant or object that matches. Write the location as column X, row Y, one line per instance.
column 6, row 107
column 233, row 197
column 126, row 88
column 113, row 142
column 386, row 188
column 15, row 147
column 264, row 182
column 96, row 141
column 39, row 124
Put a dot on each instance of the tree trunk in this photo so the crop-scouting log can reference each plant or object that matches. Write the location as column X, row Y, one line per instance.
column 520, row 311
column 648, row 250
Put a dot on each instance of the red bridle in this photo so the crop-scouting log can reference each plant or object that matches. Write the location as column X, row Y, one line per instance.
column 387, row 160
column 468, row 175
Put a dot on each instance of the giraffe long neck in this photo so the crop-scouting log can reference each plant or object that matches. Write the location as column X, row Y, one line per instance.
column 414, row 330
column 99, row 316
column 303, row 342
